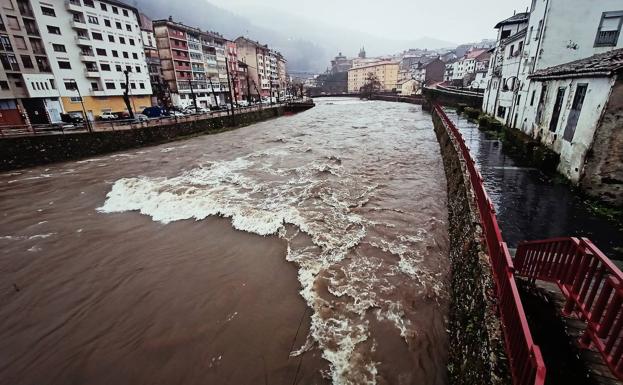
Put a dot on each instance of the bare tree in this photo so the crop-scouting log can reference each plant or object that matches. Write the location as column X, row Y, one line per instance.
column 372, row 86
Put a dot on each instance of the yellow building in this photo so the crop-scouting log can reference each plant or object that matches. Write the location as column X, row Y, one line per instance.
column 386, row 72
column 95, row 106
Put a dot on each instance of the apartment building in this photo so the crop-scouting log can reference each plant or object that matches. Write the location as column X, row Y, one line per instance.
column 385, row 72
column 556, row 75
column 29, row 91
column 160, row 96
column 257, row 58
column 193, row 64
column 70, row 56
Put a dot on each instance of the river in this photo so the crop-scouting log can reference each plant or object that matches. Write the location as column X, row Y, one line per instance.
column 309, row 249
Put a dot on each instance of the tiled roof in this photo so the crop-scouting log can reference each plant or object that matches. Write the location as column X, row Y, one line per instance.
column 600, row 65
column 515, row 19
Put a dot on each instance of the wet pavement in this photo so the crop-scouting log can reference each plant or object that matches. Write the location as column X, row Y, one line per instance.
column 531, row 205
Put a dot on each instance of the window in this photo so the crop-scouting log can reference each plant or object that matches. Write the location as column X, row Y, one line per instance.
column 103, row 6
column 133, row 85
column 609, row 29
column 501, row 112
column 505, row 34
column 122, row 86
column 131, row 41
column 89, row 3
column 115, row 53
column 115, row 10
column 70, row 85
column 5, row 43
column 125, row 55
column 138, row 69
column 54, row 30
column 64, row 65
column 118, row 25
column 93, row 20
column 128, row 27
column 532, row 98
column 12, row 22
column 529, row 35
column 122, row 40
column 125, row 13
column 27, row 62
column 128, row 68
column 20, row 42
column 100, row 51
column 42, row 64
column 59, row 48
column 118, row 68
column 134, row 55
column 97, row 36
column 142, row 86
column 105, row 67
column 511, row 51
column 4, row 85
column 75, row 99
column 95, row 86
column 47, row 11
column 538, row 31
column 110, row 86
column 107, row 22
column 111, row 38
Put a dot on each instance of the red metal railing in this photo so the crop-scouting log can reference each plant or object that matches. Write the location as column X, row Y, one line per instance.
column 592, row 284
column 525, row 360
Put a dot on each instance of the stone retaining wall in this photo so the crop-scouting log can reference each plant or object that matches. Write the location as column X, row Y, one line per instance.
column 477, row 354
column 28, row 151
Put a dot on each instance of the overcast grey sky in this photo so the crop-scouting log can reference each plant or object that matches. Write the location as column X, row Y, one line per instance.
column 455, row 21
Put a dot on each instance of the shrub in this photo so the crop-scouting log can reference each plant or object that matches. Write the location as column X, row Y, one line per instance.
column 472, row 113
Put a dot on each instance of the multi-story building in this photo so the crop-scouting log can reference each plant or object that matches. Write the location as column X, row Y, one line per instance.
column 160, row 95
column 29, row 91
column 236, row 79
column 257, row 58
column 340, row 64
column 560, row 85
column 95, row 51
column 385, row 72
column 193, row 64
column 282, row 75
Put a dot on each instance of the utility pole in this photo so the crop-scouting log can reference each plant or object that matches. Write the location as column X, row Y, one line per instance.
column 270, row 94
column 231, row 99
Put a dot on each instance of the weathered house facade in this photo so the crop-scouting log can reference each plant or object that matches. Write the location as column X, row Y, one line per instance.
column 555, row 77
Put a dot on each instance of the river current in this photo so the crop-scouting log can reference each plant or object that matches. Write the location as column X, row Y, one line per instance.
column 308, row 249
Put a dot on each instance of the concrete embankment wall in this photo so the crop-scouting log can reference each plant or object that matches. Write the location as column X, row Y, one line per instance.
column 28, row 151
column 418, row 99
column 477, row 354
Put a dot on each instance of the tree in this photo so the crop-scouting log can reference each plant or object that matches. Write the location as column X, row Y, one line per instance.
column 372, row 86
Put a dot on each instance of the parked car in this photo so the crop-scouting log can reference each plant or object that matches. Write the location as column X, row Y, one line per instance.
column 72, row 118
column 154, row 112
column 243, row 103
column 176, row 113
column 109, row 116
column 141, row 117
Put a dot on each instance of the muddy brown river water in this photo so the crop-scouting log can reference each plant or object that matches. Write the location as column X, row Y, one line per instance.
column 309, row 249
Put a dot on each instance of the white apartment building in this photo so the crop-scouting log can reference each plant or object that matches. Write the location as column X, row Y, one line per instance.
column 89, row 45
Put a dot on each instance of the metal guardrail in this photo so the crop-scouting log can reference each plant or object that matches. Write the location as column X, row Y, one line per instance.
column 8, row 131
column 592, row 285
column 525, row 360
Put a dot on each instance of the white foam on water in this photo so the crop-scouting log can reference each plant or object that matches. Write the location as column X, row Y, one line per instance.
column 317, row 196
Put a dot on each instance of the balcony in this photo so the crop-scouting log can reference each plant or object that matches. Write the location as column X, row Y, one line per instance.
column 73, row 5
column 87, row 56
column 92, row 73
column 83, row 40
column 78, row 24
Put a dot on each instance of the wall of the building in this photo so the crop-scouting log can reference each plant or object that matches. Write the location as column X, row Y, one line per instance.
column 573, row 153
column 95, row 106
column 603, row 170
column 387, row 74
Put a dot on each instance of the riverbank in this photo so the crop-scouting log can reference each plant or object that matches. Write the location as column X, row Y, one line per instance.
column 26, row 151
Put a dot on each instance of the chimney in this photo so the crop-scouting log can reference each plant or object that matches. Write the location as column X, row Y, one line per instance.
column 171, row 18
